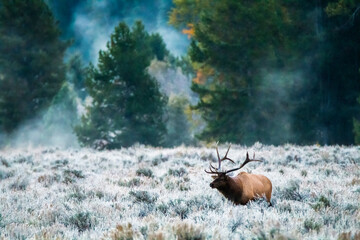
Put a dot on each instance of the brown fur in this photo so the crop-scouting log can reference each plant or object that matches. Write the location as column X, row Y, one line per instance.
column 243, row 187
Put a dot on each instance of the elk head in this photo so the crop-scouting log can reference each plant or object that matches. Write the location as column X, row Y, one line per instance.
column 220, row 177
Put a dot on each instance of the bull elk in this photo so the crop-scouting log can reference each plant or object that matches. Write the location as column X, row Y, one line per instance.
column 243, row 187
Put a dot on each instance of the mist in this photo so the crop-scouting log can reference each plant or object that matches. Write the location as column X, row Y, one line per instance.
column 35, row 133
column 172, row 80
column 274, row 102
column 295, row 101
column 52, row 127
column 90, row 23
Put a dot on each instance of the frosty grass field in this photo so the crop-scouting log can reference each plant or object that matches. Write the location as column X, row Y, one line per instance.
column 150, row 193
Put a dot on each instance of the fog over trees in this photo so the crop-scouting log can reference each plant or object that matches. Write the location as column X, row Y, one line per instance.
column 267, row 71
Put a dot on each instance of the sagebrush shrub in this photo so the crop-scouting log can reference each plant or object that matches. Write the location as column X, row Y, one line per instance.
column 48, row 180
column 4, row 162
column 177, row 172
column 123, row 232
column 5, row 174
column 145, row 172
column 70, row 176
column 144, row 196
column 135, row 182
column 322, row 202
column 81, row 220
column 291, row 192
column 77, row 194
column 1, row 221
column 184, row 231
column 20, row 184
column 180, row 207
column 311, row 224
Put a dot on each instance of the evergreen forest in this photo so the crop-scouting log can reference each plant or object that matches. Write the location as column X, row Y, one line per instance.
column 114, row 73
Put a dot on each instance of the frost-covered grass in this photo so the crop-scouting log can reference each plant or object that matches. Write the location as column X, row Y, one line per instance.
column 150, row 193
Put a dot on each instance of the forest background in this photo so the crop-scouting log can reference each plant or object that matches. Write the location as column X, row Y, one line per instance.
column 112, row 73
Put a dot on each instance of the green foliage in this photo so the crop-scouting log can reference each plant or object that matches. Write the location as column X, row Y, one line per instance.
column 255, row 32
column 183, row 62
column 195, row 52
column 227, row 66
column 187, row 12
column 158, row 46
column 127, row 105
column 31, row 60
column 313, row 49
column 341, row 7
column 329, row 95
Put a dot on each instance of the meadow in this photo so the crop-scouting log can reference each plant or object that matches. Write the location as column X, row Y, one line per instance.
column 154, row 193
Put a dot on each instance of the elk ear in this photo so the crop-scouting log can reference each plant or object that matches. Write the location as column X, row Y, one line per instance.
column 214, row 176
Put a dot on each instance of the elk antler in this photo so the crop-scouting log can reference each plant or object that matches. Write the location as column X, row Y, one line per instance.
column 247, row 160
column 214, row 170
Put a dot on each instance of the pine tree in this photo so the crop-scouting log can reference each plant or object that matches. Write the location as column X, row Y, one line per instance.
column 236, row 44
column 328, row 103
column 31, row 60
column 127, row 105
column 230, row 40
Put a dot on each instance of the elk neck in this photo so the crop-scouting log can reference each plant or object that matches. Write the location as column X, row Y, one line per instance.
column 232, row 190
